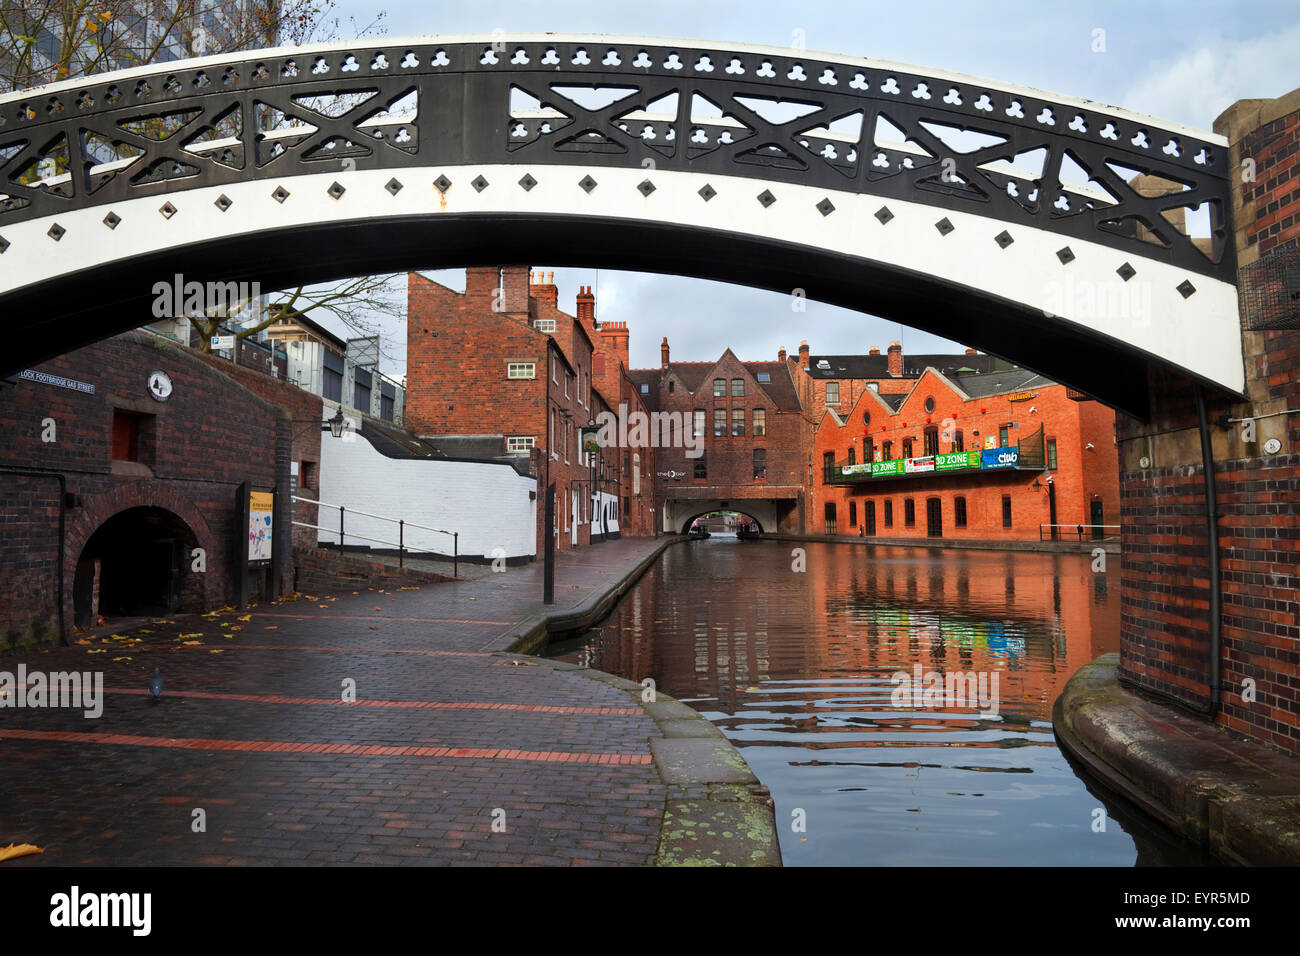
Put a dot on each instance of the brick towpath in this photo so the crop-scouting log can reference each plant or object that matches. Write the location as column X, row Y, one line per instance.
column 446, row 731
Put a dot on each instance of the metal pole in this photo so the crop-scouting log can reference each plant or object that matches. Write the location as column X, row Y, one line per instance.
column 1212, row 531
column 455, row 554
column 548, row 549
column 401, row 540
column 340, row 529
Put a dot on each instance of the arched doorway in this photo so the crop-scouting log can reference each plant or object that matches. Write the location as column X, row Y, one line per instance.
column 135, row 564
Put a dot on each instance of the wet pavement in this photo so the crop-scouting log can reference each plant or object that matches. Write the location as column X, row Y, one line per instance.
column 451, row 753
column 797, row 668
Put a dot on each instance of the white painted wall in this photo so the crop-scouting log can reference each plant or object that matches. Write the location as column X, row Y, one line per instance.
column 487, row 504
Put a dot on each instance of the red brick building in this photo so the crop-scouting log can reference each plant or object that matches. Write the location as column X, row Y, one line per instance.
column 936, row 462
column 120, row 478
column 755, row 438
column 502, row 358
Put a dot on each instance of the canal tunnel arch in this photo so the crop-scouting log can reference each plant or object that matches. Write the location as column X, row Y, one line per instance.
column 686, row 524
column 134, row 564
column 301, row 165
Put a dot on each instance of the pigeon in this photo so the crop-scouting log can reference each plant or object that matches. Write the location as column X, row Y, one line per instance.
column 155, row 685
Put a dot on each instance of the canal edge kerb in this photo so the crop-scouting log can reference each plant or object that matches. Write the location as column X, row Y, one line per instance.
column 1246, row 814
column 715, row 812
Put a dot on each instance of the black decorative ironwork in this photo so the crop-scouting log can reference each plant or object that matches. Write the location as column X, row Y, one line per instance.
column 780, row 117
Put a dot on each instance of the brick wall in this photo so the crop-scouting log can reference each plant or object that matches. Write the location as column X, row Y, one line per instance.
column 196, row 448
column 325, row 572
column 1165, row 623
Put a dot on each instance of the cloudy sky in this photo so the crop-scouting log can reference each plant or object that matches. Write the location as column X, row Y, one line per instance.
column 1184, row 60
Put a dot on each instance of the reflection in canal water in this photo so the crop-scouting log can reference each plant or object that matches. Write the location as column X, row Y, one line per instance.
column 798, row 670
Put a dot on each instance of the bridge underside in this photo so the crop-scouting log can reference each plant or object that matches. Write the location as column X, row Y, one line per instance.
column 767, row 513
column 68, row 312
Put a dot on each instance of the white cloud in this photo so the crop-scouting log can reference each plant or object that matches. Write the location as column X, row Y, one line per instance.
column 1198, row 85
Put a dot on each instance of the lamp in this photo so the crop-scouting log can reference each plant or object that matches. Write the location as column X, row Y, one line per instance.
column 338, row 424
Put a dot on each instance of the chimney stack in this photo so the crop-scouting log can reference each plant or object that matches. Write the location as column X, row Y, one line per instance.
column 875, row 350
column 972, row 352
column 803, row 354
column 615, row 334
column 895, row 358
column 663, row 353
column 541, row 286
column 780, row 356
column 587, row 308
column 504, row 287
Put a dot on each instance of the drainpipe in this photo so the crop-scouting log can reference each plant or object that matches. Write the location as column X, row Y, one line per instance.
column 63, row 503
column 1212, row 526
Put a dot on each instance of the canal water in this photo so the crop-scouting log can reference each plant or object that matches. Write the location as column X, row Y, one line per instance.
column 799, row 668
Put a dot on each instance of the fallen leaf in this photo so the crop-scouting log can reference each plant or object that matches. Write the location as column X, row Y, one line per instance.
column 87, row 641
column 246, row 617
column 374, row 627
column 322, row 605
column 100, row 651
column 184, row 636
column 218, row 651
column 237, row 627
column 122, row 658
column 192, row 644
column 272, row 627
column 15, row 850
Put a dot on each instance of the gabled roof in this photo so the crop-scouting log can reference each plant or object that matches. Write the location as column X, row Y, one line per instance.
column 649, row 377
column 996, row 383
column 781, row 387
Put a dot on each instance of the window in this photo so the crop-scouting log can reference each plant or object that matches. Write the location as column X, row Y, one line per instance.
column 672, row 385
column 627, row 463
column 765, row 377
column 958, row 441
column 645, row 389
column 760, row 422
column 853, row 457
column 719, row 423
column 566, row 384
column 332, row 386
column 931, row 441
column 889, row 513
column 522, row 370
column 853, row 514
column 719, row 388
column 518, row 444
column 909, row 513
column 830, row 517
column 907, row 448
column 699, row 423
column 828, row 464
column 1004, row 438
column 701, row 466
column 1006, row 511
column 555, row 370
column 386, row 406
column 544, row 325
column 887, row 451
column 832, row 393
column 737, row 422
column 1051, row 453
column 868, row 518
column 361, row 396
column 868, row 449
column 929, row 404
column 737, row 388
column 760, row 463
column 959, row 511
column 126, row 435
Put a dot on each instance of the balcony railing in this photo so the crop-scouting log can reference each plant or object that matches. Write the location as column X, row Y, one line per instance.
column 1028, row 454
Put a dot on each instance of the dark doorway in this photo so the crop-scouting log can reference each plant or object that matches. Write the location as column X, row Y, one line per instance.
column 140, row 557
column 933, row 517
column 1098, row 532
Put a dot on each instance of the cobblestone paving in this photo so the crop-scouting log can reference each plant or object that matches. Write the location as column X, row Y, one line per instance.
column 445, row 733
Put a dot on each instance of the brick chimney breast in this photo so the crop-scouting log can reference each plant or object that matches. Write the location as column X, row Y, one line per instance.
column 803, row 354
column 663, row 353
column 780, row 356
column 895, row 358
column 586, row 307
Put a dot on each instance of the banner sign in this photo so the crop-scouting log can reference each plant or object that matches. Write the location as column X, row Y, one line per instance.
column 1000, row 458
column 260, row 509
column 956, row 460
column 1022, row 396
column 861, row 469
column 894, row 467
column 915, row 465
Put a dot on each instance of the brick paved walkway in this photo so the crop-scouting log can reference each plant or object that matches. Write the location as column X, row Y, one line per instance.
column 253, row 730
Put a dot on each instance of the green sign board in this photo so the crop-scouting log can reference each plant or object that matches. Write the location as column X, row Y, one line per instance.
column 894, row 467
column 957, row 459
